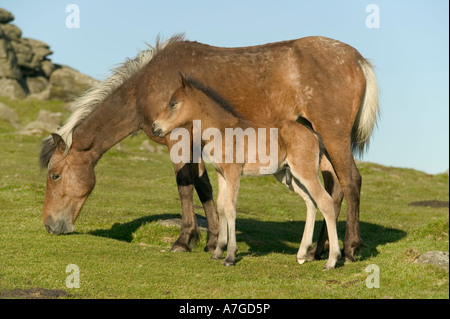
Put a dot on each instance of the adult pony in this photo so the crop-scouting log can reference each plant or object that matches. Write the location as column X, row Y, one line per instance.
column 315, row 80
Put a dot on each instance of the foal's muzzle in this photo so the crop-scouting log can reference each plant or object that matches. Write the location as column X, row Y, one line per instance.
column 157, row 130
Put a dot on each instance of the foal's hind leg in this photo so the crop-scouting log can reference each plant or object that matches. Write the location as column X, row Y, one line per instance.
column 334, row 189
column 303, row 253
column 308, row 181
column 307, row 238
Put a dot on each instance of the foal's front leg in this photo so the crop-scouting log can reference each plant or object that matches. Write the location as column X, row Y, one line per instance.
column 232, row 180
column 222, row 238
column 226, row 207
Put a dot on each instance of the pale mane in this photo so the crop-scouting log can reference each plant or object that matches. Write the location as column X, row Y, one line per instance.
column 86, row 103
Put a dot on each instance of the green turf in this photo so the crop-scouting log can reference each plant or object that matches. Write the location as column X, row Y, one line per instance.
column 122, row 251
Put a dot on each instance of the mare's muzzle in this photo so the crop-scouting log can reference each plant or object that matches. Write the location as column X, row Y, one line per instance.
column 58, row 226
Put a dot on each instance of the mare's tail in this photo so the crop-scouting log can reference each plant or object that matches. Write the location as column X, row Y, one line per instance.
column 368, row 112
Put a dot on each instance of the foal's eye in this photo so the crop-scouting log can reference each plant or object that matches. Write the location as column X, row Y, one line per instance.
column 56, row 177
column 172, row 104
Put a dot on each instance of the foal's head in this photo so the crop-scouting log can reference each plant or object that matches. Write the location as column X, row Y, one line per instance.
column 70, row 180
column 183, row 107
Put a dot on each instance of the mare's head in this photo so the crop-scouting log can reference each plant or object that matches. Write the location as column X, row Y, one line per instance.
column 70, row 180
column 181, row 109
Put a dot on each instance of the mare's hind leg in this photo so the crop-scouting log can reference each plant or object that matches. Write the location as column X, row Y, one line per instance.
column 350, row 180
column 205, row 194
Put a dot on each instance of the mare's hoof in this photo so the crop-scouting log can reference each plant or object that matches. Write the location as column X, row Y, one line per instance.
column 349, row 258
column 209, row 249
column 179, row 249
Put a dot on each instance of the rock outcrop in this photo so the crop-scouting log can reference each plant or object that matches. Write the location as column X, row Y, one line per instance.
column 437, row 258
column 9, row 115
column 45, row 122
column 25, row 68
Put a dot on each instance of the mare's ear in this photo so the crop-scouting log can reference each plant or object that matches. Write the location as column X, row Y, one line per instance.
column 59, row 142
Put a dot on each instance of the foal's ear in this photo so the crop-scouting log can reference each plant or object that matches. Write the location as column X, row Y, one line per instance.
column 184, row 83
column 59, row 142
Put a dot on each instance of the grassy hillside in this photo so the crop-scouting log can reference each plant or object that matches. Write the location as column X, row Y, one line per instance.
column 122, row 250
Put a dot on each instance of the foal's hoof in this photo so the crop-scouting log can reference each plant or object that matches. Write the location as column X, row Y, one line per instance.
column 302, row 260
column 328, row 266
column 228, row 263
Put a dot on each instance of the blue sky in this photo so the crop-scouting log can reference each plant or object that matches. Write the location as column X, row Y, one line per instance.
column 410, row 50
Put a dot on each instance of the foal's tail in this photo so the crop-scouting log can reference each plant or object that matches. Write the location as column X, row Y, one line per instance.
column 368, row 112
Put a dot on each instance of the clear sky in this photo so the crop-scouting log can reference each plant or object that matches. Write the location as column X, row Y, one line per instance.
column 408, row 42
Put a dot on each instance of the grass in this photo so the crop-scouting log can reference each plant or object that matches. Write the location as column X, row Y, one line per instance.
column 122, row 250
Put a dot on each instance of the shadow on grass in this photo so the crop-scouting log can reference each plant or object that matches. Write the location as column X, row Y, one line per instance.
column 124, row 232
column 264, row 237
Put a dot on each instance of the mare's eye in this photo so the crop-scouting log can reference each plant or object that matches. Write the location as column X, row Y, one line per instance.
column 56, row 177
column 172, row 104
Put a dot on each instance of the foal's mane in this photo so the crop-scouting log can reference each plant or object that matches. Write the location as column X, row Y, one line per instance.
column 85, row 104
column 213, row 95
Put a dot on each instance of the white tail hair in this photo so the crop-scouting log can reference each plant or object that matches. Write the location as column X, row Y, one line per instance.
column 368, row 113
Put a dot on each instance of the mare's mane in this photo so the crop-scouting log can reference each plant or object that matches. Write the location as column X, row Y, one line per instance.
column 92, row 98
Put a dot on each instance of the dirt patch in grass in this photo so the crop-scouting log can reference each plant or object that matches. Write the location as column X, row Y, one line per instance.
column 33, row 293
column 430, row 203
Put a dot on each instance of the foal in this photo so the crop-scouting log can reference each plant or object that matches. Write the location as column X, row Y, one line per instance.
column 298, row 157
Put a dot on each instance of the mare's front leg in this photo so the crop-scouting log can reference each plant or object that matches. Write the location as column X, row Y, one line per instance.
column 205, row 194
column 189, row 232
